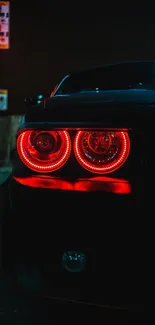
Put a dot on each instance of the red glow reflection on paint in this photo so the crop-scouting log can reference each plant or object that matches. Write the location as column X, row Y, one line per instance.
column 53, row 91
column 105, row 184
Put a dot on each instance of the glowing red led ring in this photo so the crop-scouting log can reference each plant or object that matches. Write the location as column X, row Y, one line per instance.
column 105, row 169
column 37, row 167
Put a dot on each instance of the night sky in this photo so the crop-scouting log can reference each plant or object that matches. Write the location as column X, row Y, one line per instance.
column 51, row 39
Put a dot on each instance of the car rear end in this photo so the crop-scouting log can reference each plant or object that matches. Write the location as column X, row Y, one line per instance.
column 90, row 198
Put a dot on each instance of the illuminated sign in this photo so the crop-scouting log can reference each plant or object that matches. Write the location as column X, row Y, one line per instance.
column 3, row 99
column 4, row 24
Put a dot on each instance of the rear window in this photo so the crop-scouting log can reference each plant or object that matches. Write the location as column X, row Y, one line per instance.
column 112, row 77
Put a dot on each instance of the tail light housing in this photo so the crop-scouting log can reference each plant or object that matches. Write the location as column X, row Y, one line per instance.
column 98, row 151
column 101, row 152
column 44, row 151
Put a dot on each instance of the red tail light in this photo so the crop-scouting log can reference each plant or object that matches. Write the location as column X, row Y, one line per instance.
column 44, row 151
column 101, row 152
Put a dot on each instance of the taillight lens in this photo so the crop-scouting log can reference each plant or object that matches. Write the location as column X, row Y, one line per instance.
column 101, row 152
column 44, row 151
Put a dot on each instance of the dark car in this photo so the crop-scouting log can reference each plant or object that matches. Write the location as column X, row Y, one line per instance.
column 79, row 204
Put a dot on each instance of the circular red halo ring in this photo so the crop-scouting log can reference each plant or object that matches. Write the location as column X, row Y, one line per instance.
column 111, row 167
column 36, row 167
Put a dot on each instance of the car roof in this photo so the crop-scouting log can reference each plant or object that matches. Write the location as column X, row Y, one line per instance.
column 111, row 65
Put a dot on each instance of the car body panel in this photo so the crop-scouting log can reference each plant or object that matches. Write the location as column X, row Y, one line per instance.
column 115, row 231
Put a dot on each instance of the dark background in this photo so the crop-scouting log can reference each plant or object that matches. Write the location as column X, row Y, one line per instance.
column 50, row 39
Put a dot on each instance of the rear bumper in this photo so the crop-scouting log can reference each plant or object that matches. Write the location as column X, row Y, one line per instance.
column 67, row 217
column 45, row 223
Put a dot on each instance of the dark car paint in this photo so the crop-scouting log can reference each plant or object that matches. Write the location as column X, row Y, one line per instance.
column 109, row 228
column 93, row 110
